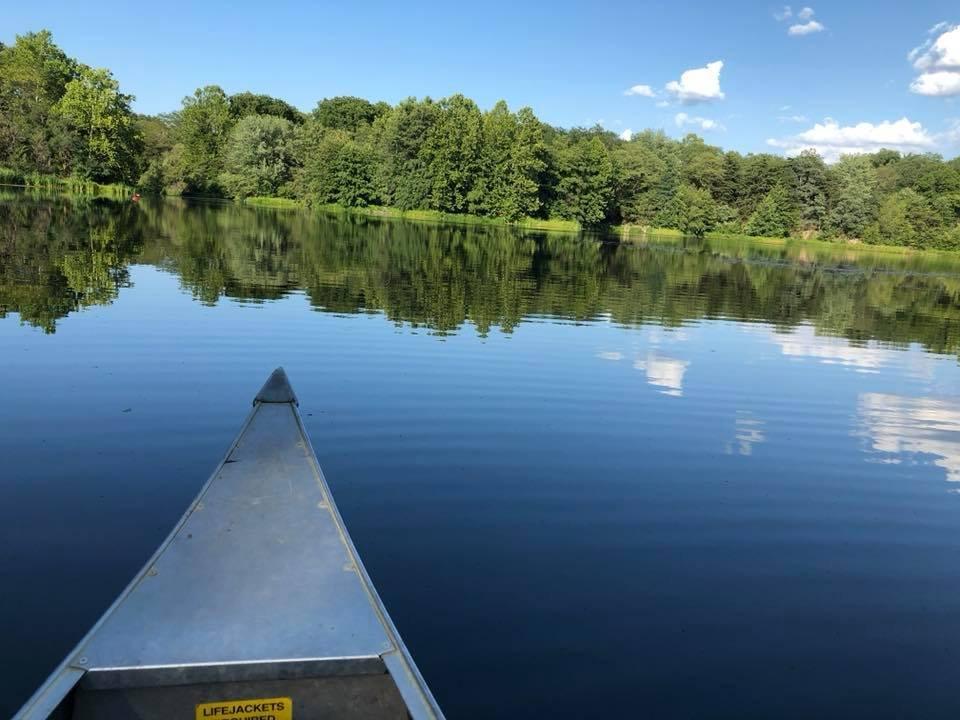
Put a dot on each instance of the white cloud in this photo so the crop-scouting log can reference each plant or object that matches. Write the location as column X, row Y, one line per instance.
column 899, row 424
column 698, row 84
column 748, row 431
column 807, row 25
column 793, row 118
column 664, row 372
column 937, row 84
column 626, row 135
column 682, row 119
column 938, row 60
column 805, row 343
column 806, row 28
column 832, row 140
column 941, row 53
column 641, row 90
column 663, row 104
column 610, row 355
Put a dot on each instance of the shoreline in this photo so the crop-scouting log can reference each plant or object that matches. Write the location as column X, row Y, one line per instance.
column 626, row 233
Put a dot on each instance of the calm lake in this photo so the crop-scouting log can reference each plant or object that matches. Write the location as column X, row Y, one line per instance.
column 675, row 479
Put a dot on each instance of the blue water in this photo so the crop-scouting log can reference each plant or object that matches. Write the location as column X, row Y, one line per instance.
column 669, row 481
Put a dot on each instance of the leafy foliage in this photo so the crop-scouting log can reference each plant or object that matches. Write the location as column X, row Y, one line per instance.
column 108, row 141
column 775, row 216
column 247, row 103
column 347, row 113
column 60, row 118
column 258, row 158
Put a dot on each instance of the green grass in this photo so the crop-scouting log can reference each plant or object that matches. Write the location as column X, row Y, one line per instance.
column 9, row 176
column 796, row 246
column 274, row 202
column 70, row 185
column 432, row 216
column 634, row 233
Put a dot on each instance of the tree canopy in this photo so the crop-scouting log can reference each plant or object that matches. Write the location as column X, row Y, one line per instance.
column 61, row 117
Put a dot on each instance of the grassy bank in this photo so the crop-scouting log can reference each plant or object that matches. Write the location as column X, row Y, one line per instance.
column 433, row 216
column 853, row 248
column 274, row 202
column 51, row 183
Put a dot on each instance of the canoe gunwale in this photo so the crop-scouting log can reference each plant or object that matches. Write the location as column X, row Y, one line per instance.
column 166, row 675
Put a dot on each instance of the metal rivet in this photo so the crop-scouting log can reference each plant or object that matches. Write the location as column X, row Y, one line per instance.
column 82, row 661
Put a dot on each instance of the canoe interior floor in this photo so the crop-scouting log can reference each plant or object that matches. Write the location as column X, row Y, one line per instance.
column 352, row 697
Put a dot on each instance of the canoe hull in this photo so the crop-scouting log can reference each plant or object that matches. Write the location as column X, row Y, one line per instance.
column 257, row 593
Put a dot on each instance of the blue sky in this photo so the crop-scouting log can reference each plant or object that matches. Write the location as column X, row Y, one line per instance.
column 845, row 84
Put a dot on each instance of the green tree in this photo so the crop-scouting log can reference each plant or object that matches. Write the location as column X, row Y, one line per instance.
column 202, row 127
column 586, row 181
column 403, row 176
column 691, row 210
column 759, row 174
column 513, row 159
column 639, row 170
column 702, row 165
column 452, row 154
column 905, row 218
column 259, row 156
column 855, row 197
column 528, row 162
column 809, row 188
column 775, row 216
column 248, row 103
column 34, row 73
column 108, row 141
column 491, row 190
column 337, row 169
column 347, row 113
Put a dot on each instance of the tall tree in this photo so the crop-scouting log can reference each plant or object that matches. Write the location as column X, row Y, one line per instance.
column 585, row 188
column 491, row 190
column 904, row 218
column 401, row 136
column 34, row 73
column 248, row 103
column 202, row 127
column 692, row 210
column 775, row 216
column 336, row 168
column 108, row 140
column 639, row 170
column 259, row 156
column 855, row 196
column 528, row 162
column 453, row 154
column 809, row 187
column 347, row 113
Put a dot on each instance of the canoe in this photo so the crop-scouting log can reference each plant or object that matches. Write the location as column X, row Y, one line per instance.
column 256, row 607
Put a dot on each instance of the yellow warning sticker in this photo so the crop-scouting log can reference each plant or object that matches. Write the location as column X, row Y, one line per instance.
column 280, row 708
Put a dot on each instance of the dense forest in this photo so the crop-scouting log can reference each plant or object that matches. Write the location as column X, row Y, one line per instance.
column 61, row 118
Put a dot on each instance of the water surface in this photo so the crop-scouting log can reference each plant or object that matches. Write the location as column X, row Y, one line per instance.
column 679, row 479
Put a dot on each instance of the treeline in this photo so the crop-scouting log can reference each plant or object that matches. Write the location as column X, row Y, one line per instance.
column 60, row 117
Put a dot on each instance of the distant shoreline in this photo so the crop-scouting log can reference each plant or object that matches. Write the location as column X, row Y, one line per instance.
column 624, row 233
